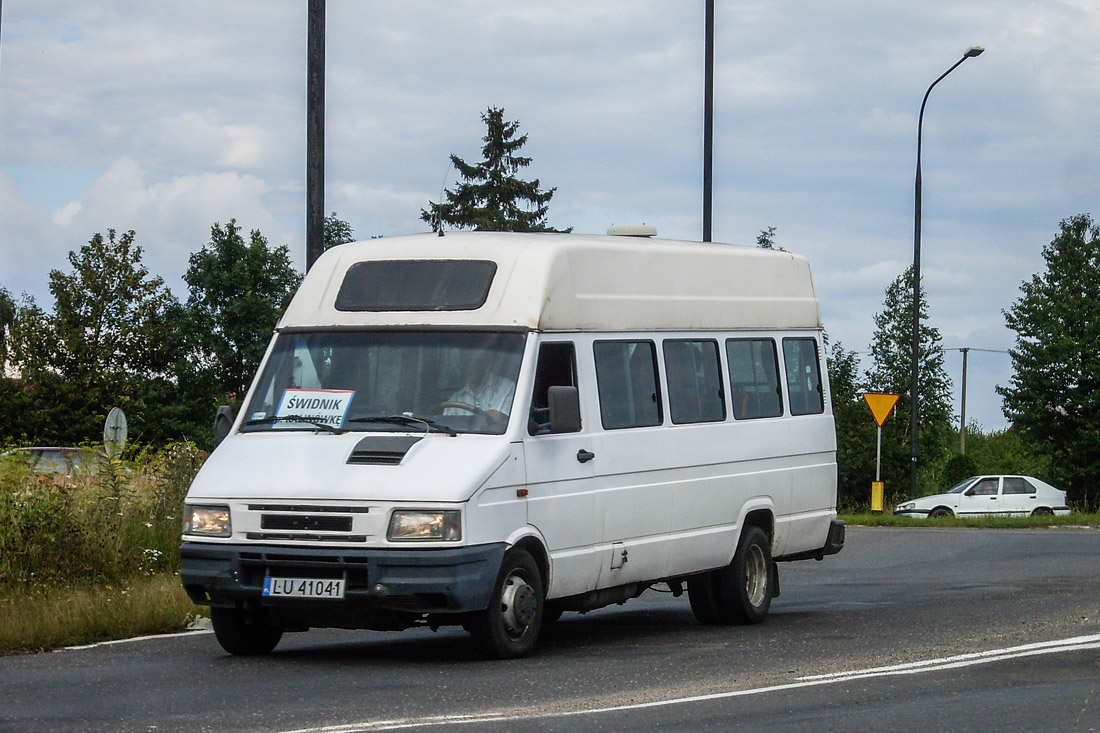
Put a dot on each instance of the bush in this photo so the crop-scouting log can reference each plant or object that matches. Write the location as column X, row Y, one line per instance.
column 120, row 524
column 958, row 468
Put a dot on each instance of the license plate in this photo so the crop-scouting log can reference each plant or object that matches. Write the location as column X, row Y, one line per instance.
column 304, row 587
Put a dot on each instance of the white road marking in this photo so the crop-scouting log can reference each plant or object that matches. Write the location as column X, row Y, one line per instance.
column 134, row 638
column 1076, row 643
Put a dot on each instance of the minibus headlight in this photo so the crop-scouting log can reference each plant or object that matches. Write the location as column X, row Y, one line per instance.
column 212, row 521
column 408, row 524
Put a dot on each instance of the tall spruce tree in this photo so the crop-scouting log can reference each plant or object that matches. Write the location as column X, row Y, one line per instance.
column 491, row 197
column 1054, row 395
column 891, row 353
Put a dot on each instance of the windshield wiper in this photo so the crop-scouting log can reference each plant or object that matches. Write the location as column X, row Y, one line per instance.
column 409, row 420
column 295, row 418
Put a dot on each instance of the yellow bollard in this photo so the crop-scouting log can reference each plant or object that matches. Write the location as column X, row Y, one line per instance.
column 876, row 496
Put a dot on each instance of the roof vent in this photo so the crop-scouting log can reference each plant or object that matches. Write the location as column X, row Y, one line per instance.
column 632, row 230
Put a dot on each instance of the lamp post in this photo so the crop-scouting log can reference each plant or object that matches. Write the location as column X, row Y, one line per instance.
column 914, row 421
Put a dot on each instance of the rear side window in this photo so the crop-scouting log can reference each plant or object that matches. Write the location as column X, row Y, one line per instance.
column 694, row 377
column 803, row 376
column 754, row 378
column 416, row 285
column 1016, row 485
column 626, row 378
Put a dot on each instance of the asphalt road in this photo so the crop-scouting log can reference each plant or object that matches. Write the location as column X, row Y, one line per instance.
column 930, row 629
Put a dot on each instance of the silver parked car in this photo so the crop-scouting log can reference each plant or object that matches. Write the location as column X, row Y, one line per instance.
column 986, row 495
column 64, row 461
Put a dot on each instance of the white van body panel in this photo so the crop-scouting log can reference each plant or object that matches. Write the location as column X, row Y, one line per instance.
column 299, row 465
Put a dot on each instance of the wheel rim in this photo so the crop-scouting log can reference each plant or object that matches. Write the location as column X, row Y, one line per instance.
column 756, row 576
column 518, row 605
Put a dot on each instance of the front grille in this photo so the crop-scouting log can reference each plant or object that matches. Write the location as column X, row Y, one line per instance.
column 305, row 522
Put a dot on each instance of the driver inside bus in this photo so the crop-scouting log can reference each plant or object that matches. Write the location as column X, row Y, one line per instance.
column 488, row 393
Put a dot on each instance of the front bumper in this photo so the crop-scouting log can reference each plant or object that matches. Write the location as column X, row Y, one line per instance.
column 406, row 580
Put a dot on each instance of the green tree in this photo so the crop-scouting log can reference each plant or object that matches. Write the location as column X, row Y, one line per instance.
column 1053, row 397
column 237, row 291
column 103, row 344
column 7, row 317
column 491, row 197
column 891, row 353
column 855, row 430
column 766, row 239
column 337, row 231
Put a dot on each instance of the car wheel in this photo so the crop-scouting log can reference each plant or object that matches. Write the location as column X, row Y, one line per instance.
column 940, row 511
column 242, row 633
column 510, row 626
column 1043, row 511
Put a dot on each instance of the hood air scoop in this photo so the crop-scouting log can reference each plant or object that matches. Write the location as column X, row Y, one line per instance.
column 382, row 450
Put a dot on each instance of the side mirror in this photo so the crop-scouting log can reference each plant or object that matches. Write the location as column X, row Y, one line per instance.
column 565, row 409
column 223, row 423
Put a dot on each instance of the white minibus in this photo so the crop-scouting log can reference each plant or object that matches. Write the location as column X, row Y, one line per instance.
column 491, row 429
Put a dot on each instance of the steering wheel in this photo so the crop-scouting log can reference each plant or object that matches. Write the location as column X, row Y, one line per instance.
column 464, row 406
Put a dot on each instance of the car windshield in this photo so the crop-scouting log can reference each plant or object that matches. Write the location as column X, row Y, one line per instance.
column 962, row 487
column 432, row 381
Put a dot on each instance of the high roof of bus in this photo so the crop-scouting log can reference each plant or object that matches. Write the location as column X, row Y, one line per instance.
column 555, row 282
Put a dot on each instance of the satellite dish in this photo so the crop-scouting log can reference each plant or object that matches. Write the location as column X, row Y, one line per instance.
column 114, row 432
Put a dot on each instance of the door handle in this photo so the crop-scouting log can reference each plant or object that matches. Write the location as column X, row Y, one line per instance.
column 584, row 456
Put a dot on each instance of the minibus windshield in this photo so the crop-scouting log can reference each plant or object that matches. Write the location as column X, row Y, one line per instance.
column 408, row 381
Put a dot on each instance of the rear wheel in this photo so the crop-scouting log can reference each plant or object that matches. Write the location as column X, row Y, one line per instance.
column 743, row 589
column 741, row 592
column 1043, row 511
column 243, row 633
column 510, row 626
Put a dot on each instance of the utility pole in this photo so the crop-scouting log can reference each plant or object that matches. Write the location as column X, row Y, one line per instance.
column 962, row 421
column 708, row 119
column 315, row 133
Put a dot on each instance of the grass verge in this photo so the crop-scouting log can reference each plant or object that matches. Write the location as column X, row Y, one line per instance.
column 60, row 617
column 885, row 519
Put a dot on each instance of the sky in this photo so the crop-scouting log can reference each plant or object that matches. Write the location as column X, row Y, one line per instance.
column 167, row 118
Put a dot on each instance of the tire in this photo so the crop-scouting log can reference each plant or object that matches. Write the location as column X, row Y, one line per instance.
column 940, row 511
column 1043, row 511
column 510, row 626
column 242, row 633
column 743, row 590
column 701, row 596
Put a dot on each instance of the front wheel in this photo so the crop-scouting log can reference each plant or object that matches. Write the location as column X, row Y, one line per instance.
column 510, row 626
column 940, row 511
column 243, row 633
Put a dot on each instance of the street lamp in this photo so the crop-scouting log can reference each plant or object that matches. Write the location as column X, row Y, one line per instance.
column 914, row 421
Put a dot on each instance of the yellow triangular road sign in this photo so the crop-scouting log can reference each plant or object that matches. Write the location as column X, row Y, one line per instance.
column 880, row 404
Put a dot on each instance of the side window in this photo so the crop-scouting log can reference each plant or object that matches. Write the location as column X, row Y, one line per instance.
column 803, row 376
column 626, row 377
column 754, row 378
column 557, row 367
column 985, row 487
column 694, row 377
column 1017, row 485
